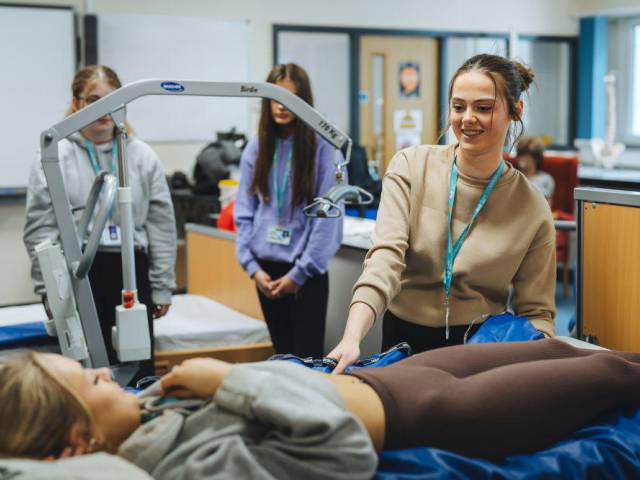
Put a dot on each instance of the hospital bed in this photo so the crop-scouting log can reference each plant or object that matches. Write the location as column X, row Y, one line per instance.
column 22, row 327
column 607, row 449
column 215, row 277
column 195, row 326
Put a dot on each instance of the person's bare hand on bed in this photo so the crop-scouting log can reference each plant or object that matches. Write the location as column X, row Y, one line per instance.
column 284, row 286
column 346, row 353
column 69, row 452
column 160, row 310
column 263, row 282
column 196, row 377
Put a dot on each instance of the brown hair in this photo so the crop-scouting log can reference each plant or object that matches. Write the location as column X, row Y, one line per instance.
column 304, row 141
column 37, row 409
column 510, row 79
column 86, row 78
column 533, row 147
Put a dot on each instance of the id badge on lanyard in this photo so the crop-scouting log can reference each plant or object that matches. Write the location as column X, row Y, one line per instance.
column 111, row 235
column 279, row 234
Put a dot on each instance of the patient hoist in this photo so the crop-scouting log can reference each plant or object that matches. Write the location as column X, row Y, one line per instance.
column 75, row 320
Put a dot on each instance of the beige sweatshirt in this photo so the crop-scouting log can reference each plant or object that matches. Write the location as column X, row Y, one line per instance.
column 512, row 242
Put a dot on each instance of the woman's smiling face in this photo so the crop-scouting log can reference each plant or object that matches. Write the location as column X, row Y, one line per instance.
column 478, row 113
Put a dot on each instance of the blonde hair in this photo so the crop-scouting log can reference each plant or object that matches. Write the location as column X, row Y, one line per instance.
column 37, row 409
column 86, row 78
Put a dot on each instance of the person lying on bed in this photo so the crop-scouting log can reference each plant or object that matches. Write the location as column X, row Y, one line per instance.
column 281, row 420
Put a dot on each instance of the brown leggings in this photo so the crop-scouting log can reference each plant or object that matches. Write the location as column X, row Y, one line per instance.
column 492, row 400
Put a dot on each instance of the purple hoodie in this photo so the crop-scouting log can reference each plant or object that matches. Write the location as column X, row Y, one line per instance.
column 313, row 240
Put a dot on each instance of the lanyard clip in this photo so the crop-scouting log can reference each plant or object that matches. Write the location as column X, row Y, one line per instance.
column 447, row 309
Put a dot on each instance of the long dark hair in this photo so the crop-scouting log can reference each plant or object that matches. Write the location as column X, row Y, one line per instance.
column 510, row 79
column 304, row 141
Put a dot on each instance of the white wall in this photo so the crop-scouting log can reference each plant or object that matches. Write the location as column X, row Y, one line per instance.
column 607, row 7
column 15, row 280
column 543, row 17
column 539, row 17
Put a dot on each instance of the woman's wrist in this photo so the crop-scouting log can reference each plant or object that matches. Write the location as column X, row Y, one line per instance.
column 360, row 321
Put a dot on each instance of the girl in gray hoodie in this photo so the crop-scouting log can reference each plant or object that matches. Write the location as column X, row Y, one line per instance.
column 82, row 156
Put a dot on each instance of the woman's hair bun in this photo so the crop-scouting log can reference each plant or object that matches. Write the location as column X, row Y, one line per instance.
column 525, row 72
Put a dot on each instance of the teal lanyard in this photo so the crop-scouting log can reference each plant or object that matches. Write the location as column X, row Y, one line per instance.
column 280, row 191
column 453, row 250
column 94, row 158
column 96, row 166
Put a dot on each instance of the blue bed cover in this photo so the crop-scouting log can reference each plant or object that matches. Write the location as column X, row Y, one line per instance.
column 607, row 449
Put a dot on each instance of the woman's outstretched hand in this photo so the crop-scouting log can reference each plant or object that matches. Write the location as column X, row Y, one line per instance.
column 196, row 377
column 360, row 321
column 347, row 352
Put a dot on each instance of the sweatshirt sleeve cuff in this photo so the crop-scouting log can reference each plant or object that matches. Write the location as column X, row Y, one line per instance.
column 547, row 327
column 371, row 297
column 297, row 276
column 161, row 297
column 252, row 267
column 239, row 389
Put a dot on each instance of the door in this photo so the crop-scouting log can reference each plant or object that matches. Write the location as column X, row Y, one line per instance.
column 398, row 94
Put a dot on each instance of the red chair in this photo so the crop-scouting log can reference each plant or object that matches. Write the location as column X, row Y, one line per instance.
column 564, row 170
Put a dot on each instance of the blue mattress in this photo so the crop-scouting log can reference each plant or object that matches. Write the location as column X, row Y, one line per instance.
column 608, row 449
column 32, row 333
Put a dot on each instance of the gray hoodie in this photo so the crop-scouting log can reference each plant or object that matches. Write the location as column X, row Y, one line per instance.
column 96, row 466
column 268, row 420
column 153, row 216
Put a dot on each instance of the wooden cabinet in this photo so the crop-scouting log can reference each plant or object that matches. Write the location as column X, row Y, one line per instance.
column 214, row 272
column 609, row 270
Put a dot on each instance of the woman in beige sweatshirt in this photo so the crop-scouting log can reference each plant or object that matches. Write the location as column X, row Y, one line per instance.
column 463, row 206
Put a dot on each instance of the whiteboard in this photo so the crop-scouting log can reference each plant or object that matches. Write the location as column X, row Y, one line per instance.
column 178, row 48
column 325, row 57
column 37, row 55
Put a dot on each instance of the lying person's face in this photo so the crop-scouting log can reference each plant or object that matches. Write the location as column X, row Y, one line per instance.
column 116, row 413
